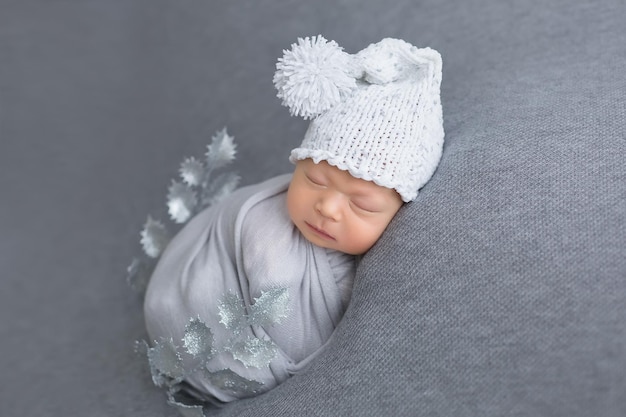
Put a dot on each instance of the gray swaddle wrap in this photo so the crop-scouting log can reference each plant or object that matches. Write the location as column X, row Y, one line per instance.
column 246, row 251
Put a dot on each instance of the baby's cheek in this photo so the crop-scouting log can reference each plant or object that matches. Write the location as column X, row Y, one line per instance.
column 375, row 232
column 362, row 239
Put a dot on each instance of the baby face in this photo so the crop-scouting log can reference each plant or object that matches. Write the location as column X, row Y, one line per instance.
column 335, row 210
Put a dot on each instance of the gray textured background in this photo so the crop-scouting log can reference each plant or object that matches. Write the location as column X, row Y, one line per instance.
column 500, row 291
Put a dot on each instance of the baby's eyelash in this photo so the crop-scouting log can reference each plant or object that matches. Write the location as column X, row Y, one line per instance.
column 314, row 181
column 360, row 207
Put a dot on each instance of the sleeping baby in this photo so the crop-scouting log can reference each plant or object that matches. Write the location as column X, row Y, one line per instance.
column 251, row 288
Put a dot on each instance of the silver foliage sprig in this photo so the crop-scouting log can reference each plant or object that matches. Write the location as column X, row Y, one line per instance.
column 268, row 309
column 221, row 151
column 198, row 189
column 154, row 237
column 199, row 346
column 199, row 186
column 181, row 202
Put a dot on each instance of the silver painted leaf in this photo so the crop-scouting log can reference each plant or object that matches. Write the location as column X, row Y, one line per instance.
column 198, row 339
column 192, row 171
column 221, row 151
column 138, row 274
column 181, row 202
column 270, row 308
column 154, row 237
column 165, row 359
column 254, row 352
column 232, row 313
column 142, row 348
column 228, row 380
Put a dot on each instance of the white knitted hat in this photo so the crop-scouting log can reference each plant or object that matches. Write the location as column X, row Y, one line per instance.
column 376, row 114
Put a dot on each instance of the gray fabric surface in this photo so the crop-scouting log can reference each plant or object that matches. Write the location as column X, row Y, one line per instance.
column 500, row 291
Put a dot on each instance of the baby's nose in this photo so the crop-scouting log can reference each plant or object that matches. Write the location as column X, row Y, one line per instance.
column 329, row 206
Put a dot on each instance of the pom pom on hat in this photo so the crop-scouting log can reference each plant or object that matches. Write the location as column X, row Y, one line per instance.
column 314, row 76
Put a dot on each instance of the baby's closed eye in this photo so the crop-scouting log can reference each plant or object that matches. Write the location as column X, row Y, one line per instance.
column 315, row 180
column 365, row 205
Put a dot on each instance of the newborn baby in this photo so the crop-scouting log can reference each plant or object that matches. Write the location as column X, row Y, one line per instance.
column 251, row 288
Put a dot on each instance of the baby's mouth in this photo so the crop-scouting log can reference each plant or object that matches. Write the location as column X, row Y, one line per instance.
column 320, row 232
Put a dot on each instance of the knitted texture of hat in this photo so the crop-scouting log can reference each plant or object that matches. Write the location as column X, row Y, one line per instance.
column 388, row 128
